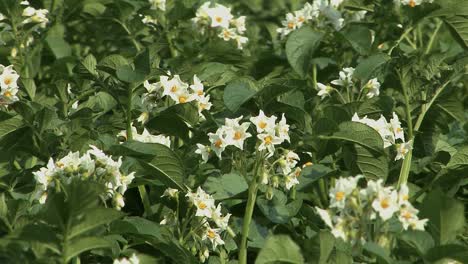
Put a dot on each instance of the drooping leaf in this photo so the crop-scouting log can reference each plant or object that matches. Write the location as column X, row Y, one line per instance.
column 300, row 49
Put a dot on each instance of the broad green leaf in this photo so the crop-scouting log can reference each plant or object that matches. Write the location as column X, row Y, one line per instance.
column 327, row 243
column 9, row 125
column 367, row 67
column 226, row 186
column 280, row 249
column 446, row 216
column 451, row 251
column 237, row 93
column 380, row 253
column 278, row 210
column 87, row 67
column 30, row 86
column 159, row 160
column 128, row 74
column 55, row 39
column 460, row 159
column 359, row 37
column 300, row 48
column 420, row 241
column 100, row 102
column 94, row 218
column 94, row 9
column 373, row 165
column 358, row 133
column 311, row 174
column 80, row 245
column 113, row 61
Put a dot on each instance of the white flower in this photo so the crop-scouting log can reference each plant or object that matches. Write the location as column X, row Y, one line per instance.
column 197, row 87
column 204, row 104
column 324, row 90
column 221, row 221
column 418, row 224
column 204, row 151
column 336, row 3
column 45, row 175
column 213, row 235
column 239, row 24
column 203, row 202
column 220, row 16
column 174, row 88
column 411, row 3
column 386, row 203
column 263, row 123
column 241, row 41
column 143, row 118
column 282, row 129
column 158, row 4
column 372, row 87
column 38, row 16
column 26, row 3
column 408, row 214
column 289, row 24
column 396, row 127
column 152, row 87
column 118, row 201
column 288, row 162
column 132, row 260
column 236, row 133
column 8, row 78
column 338, row 230
column 290, row 180
column 268, row 142
column 218, row 142
column 149, row 20
column 346, row 77
column 2, row 17
column 228, row 34
column 381, row 126
column 170, row 192
column 403, row 149
column 342, row 189
column 403, row 195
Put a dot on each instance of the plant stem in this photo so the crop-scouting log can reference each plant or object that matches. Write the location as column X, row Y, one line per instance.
column 408, row 30
column 431, row 40
column 249, row 211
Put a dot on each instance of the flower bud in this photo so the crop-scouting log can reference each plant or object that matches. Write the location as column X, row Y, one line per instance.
column 269, row 193
column 275, row 181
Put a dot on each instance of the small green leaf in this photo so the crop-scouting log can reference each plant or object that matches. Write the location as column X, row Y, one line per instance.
column 277, row 209
column 367, row 67
column 80, row 245
column 9, row 125
column 300, row 48
column 460, row 159
column 280, row 249
column 94, row 218
column 359, row 37
column 382, row 254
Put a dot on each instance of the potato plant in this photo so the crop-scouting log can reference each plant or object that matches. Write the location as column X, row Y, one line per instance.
column 247, row 131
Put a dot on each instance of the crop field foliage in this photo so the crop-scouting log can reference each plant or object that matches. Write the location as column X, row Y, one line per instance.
column 233, row 131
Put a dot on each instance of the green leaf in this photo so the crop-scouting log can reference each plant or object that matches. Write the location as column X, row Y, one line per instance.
column 311, row 174
column 237, row 93
column 87, row 67
column 277, row 209
column 55, row 39
column 280, row 249
column 327, row 243
column 367, row 67
column 226, row 186
column 460, row 159
column 9, row 125
column 101, row 102
column 373, row 165
column 126, row 73
column 452, row 251
column 94, row 218
column 382, row 254
column 94, row 9
column 300, row 48
column 30, row 86
column 420, row 241
column 358, row 133
column 446, row 216
column 80, row 245
column 359, row 37
column 159, row 160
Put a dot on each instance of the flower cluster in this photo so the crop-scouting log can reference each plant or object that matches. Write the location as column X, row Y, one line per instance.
column 146, row 137
column 270, row 134
column 322, row 12
column 8, row 85
column 390, row 133
column 93, row 165
column 351, row 206
column 36, row 16
column 179, row 91
column 132, row 260
column 207, row 226
column 412, row 3
column 346, row 79
column 220, row 17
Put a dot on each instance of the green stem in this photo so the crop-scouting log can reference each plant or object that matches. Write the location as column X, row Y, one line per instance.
column 407, row 31
column 431, row 40
column 249, row 211
column 405, row 168
column 425, row 107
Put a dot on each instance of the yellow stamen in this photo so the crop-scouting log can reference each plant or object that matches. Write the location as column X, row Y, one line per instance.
column 219, row 19
column 218, row 143
column 182, row 99
column 262, row 124
column 211, row 234
column 174, row 89
column 385, row 203
column 339, row 196
column 268, row 139
column 412, row 3
column 237, row 135
column 291, row 25
column 7, row 94
column 202, row 205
